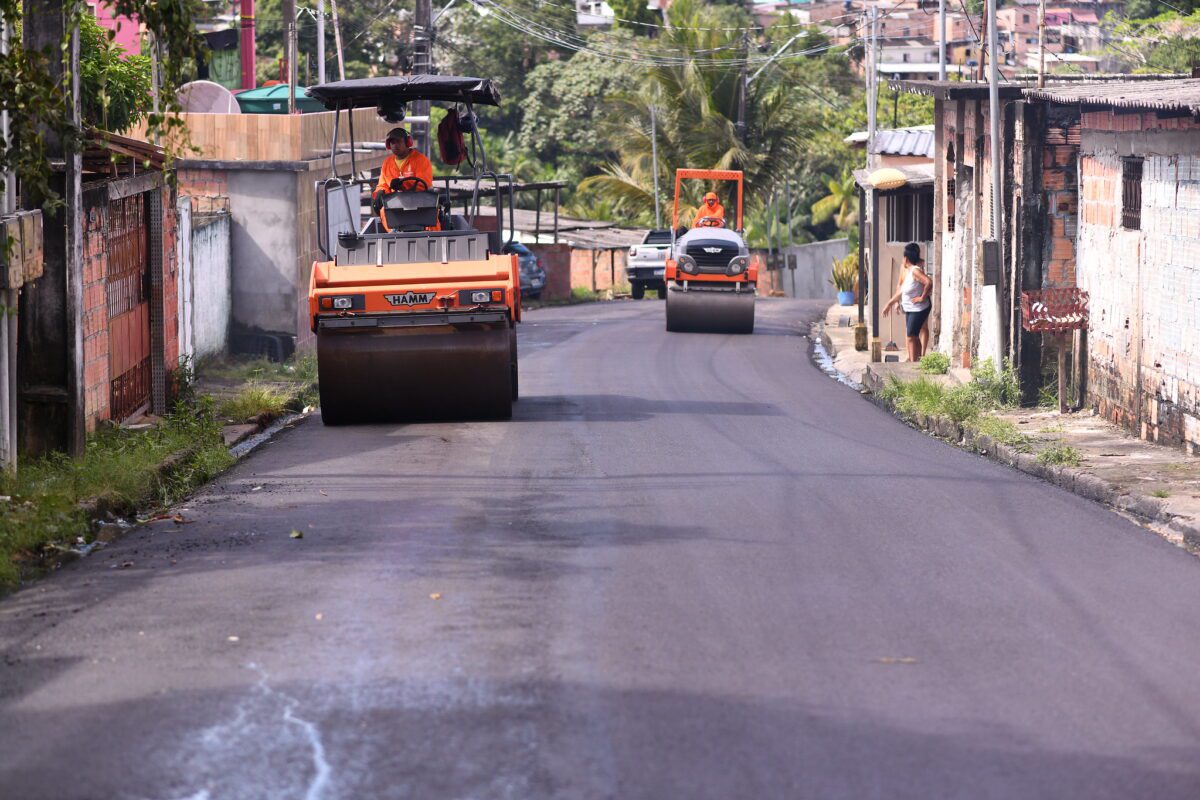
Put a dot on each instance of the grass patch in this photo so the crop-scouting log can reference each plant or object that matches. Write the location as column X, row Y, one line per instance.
column 297, row 369
column 255, row 401
column 121, row 466
column 998, row 388
column 1060, row 455
column 581, row 294
column 1161, row 493
column 1004, row 432
column 935, row 364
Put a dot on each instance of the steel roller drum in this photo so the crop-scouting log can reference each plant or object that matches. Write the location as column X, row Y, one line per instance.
column 710, row 310
column 410, row 374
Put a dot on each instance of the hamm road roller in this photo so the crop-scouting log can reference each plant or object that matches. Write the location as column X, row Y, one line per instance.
column 710, row 279
column 414, row 308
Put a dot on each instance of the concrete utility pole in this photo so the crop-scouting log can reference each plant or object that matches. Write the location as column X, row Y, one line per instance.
column 289, row 18
column 320, row 41
column 1042, row 44
column 654, row 164
column 8, row 323
column 422, row 65
column 743, row 86
column 249, row 79
column 337, row 40
column 942, row 47
column 872, row 91
column 994, row 114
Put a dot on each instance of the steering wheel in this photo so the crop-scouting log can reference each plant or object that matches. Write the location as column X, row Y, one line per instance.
column 711, row 222
column 401, row 184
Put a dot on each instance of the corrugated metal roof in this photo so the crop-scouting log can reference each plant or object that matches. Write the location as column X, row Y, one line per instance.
column 917, row 176
column 1166, row 95
column 915, row 141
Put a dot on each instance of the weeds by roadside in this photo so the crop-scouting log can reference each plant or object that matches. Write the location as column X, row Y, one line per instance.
column 1060, row 455
column 968, row 404
column 41, row 508
column 935, row 363
column 255, row 401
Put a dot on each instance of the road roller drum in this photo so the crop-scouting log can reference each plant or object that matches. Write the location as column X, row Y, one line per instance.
column 704, row 310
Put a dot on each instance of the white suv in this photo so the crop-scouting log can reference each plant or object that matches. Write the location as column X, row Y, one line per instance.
column 647, row 264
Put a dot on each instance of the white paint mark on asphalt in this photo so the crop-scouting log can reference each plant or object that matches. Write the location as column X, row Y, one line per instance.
column 321, row 767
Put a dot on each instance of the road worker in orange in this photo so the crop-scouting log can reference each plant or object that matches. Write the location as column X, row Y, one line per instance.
column 407, row 170
column 710, row 209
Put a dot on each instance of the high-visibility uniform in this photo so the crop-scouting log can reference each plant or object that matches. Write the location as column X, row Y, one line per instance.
column 705, row 210
column 415, row 165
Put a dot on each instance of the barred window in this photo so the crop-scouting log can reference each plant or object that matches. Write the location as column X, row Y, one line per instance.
column 1131, row 193
column 910, row 217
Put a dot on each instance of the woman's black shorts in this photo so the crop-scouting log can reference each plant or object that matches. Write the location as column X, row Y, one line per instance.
column 916, row 320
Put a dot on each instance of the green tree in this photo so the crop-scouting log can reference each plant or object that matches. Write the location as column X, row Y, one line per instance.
column 840, row 205
column 38, row 101
column 631, row 12
column 559, row 124
column 475, row 42
column 1166, row 43
column 114, row 86
column 376, row 37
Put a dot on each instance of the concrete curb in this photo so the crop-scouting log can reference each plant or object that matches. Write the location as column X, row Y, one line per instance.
column 1148, row 510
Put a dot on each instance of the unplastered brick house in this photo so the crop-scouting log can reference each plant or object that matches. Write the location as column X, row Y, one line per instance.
column 1101, row 191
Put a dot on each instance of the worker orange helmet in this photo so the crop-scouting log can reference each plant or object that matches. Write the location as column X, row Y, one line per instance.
column 711, row 196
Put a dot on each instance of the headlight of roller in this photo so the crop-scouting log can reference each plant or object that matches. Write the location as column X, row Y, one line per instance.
column 738, row 265
column 687, row 264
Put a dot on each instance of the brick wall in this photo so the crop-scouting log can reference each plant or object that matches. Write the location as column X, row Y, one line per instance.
column 1144, row 332
column 594, row 269
column 1060, row 185
column 556, row 260
column 208, row 188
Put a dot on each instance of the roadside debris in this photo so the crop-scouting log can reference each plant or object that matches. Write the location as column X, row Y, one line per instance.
column 435, row 596
column 295, row 534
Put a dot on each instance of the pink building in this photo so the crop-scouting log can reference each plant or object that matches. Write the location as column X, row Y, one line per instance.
column 128, row 31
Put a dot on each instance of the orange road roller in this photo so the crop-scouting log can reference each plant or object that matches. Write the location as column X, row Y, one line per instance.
column 415, row 309
column 711, row 281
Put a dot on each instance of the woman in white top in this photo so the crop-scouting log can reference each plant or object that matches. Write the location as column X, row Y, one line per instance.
column 912, row 294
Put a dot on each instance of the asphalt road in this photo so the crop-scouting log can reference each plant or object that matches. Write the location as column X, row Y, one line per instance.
column 691, row 567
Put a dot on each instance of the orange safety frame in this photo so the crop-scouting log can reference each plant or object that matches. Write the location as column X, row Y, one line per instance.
column 708, row 175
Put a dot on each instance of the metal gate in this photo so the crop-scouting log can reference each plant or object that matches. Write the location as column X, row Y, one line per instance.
column 128, row 288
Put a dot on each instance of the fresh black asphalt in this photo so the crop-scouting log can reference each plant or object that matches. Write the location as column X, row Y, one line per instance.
column 691, row 566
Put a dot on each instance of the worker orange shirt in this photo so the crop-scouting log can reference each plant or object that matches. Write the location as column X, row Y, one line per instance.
column 416, row 165
column 717, row 211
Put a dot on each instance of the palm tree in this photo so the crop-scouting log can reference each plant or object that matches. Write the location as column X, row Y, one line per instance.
column 696, row 103
column 841, row 203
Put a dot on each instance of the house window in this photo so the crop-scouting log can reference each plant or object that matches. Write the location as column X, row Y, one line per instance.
column 910, row 217
column 904, row 57
column 1025, row 19
column 1131, row 193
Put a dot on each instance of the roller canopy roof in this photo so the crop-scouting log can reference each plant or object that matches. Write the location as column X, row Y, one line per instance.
column 367, row 92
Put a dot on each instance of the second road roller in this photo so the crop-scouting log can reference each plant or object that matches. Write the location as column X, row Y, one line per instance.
column 414, row 308
column 711, row 280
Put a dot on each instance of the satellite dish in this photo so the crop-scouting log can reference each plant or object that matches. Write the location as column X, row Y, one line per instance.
column 206, row 97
